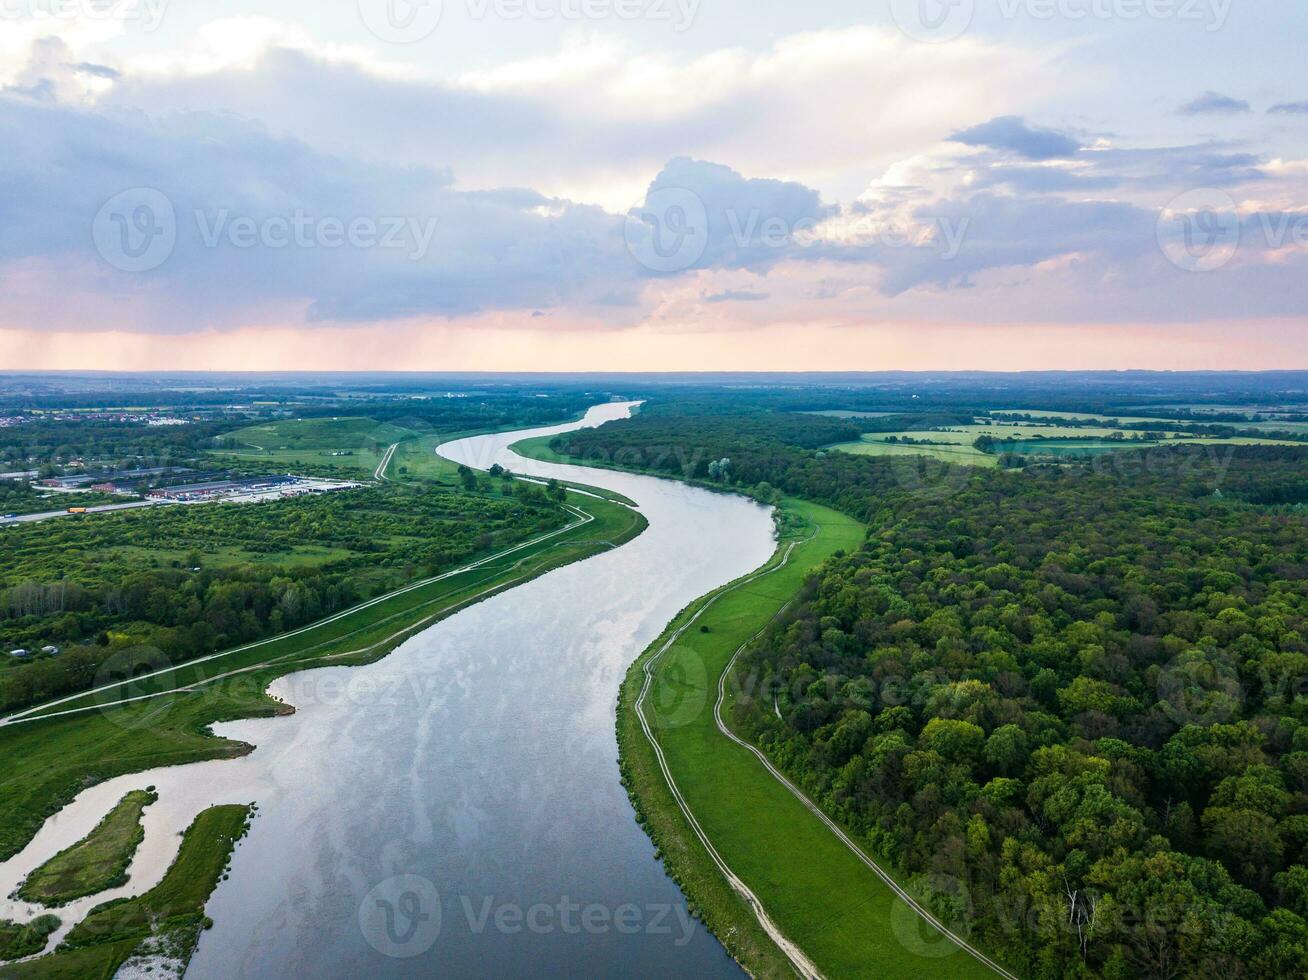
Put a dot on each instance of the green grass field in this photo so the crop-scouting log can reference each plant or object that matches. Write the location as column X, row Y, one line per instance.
column 25, row 940
column 169, row 916
column 821, row 896
column 353, row 446
column 94, row 864
column 955, row 444
column 1273, row 426
column 962, row 455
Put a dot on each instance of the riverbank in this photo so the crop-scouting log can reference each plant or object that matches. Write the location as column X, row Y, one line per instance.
column 156, row 931
column 719, row 816
column 164, row 718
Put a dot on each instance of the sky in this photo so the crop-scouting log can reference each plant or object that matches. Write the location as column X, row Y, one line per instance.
column 653, row 184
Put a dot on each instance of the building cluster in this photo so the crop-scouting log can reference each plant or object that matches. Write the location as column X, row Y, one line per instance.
column 122, row 481
column 195, row 492
column 249, row 489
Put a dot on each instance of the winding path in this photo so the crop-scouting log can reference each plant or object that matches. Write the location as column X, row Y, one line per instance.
column 380, row 473
column 802, row 964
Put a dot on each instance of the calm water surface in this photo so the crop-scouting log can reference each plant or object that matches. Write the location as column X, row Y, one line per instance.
column 455, row 810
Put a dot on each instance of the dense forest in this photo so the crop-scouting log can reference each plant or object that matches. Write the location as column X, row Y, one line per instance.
column 1068, row 700
column 191, row 580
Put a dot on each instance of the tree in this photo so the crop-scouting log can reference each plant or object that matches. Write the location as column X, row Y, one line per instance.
column 957, row 741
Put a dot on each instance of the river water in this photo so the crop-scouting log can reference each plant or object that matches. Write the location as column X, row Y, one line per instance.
column 455, row 809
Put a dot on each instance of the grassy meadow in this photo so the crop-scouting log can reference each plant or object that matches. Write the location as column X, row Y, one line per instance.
column 168, row 918
column 94, row 864
column 817, row 892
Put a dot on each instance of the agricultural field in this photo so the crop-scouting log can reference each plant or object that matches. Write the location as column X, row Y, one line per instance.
column 955, row 444
column 999, row 414
column 353, row 446
column 1266, row 425
column 951, row 453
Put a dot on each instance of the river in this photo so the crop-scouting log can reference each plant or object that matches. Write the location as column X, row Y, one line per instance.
column 455, row 809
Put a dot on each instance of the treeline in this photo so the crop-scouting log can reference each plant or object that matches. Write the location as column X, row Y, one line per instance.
column 1068, row 702
column 473, row 412
column 47, row 445
column 98, row 585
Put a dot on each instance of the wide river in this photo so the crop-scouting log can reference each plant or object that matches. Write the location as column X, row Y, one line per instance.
column 455, row 809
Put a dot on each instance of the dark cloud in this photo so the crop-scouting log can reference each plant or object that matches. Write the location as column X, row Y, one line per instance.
column 736, row 296
column 99, row 71
column 1291, row 108
column 515, row 249
column 751, row 222
column 1214, row 103
column 1013, row 135
column 454, row 252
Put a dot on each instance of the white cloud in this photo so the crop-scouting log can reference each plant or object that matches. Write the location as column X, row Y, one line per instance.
column 592, row 121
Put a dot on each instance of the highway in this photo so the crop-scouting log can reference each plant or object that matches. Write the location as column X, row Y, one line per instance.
column 101, row 509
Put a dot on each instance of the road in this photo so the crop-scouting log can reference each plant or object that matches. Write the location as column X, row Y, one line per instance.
column 380, row 474
column 835, row 828
column 801, row 963
column 101, row 509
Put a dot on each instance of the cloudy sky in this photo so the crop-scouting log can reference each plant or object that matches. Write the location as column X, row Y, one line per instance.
column 653, row 184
